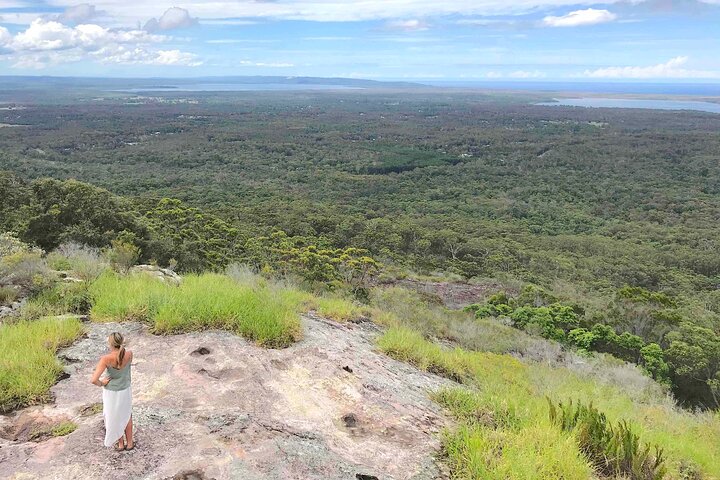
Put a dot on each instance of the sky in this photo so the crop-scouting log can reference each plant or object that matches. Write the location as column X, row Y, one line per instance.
column 441, row 40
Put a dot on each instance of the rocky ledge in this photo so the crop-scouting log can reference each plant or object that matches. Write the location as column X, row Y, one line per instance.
column 210, row 405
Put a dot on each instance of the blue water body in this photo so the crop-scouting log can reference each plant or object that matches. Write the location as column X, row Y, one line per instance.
column 706, row 89
column 234, row 87
column 635, row 103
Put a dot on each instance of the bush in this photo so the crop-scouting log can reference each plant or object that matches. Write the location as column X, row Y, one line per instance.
column 581, row 338
column 85, row 262
column 7, row 295
column 11, row 245
column 123, row 255
column 642, row 295
column 614, row 450
column 25, row 268
column 73, row 297
column 534, row 296
column 541, row 319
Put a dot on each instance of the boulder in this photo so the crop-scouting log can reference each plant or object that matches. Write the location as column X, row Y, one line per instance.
column 163, row 274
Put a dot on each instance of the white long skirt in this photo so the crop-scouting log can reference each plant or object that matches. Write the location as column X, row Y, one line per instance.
column 117, row 409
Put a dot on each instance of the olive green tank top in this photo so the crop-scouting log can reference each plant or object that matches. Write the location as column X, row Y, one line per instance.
column 119, row 378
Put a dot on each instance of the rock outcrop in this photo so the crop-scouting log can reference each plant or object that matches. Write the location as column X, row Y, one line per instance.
column 162, row 274
column 210, row 405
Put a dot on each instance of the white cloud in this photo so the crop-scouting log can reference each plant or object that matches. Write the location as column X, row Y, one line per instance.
column 52, row 35
column 526, row 74
column 518, row 74
column 246, row 63
column 46, row 43
column 578, row 18
column 131, row 11
column 413, row 25
column 42, row 35
column 139, row 55
column 5, row 37
column 173, row 18
column 176, row 57
column 228, row 21
column 23, row 18
column 673, row 68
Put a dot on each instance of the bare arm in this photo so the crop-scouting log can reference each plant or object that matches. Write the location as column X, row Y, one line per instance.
column 99, row 369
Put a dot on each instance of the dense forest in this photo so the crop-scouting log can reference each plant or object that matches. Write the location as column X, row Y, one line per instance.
column 605, row 218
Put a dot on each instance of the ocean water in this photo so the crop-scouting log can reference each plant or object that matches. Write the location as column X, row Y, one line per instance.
column 705, row 89
column 595, row 102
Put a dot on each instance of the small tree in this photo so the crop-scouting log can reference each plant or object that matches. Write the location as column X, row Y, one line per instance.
column 123, row 255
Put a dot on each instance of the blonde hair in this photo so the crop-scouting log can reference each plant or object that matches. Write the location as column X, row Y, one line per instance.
column 117, row 341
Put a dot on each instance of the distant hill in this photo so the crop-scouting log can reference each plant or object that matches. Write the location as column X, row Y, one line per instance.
column 42, row 82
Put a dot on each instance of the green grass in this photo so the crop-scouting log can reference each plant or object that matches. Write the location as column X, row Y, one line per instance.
column 502, row 407
column 28, row 367
column 338, row 309
column 90, row 410
column 262, row 312
column 66, row 427
column 63, row 428
column 537, row 451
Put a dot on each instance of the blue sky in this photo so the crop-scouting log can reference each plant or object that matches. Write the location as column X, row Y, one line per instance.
column 471, row 40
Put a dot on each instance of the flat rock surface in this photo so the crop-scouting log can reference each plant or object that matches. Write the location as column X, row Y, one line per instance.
column 210, row 405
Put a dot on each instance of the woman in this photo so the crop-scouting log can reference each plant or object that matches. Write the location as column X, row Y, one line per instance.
column 117, row 394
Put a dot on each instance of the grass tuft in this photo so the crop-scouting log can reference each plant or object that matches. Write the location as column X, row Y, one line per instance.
column 28, row 367
column 263, row 313
column 338, row 309
column 63, row 428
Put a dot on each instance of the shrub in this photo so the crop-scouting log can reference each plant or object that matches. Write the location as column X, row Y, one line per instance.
column 642, row 295
column 7, row 295
column 316, row 265
column 61, row 298
column 653, row 360
column 532, row 295
column 85, row 262
column 541, row 319
column 26, row 268
column 614, row 450
column 123, row 255
column 582, row 338
column 11, row 245
column 500, row 298
column 243, row 273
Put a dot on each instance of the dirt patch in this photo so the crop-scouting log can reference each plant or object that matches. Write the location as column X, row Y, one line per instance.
column 32, row 426
column 452, row 294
